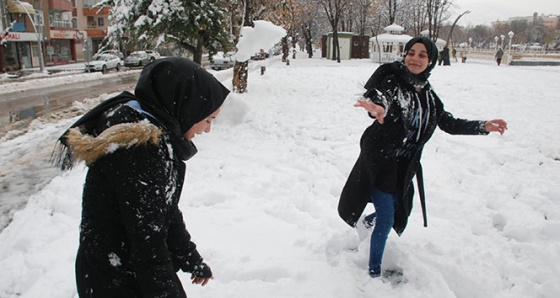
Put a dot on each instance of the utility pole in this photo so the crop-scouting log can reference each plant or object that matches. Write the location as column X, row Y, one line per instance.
column 4, row 11
column 39, row 37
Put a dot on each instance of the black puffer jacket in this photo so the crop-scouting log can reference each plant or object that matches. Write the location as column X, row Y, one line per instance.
column 393, row 86
column 132, row 235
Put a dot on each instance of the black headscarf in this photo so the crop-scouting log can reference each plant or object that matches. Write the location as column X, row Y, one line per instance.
column 432, row 50
column 176, row 91
column 179, row 91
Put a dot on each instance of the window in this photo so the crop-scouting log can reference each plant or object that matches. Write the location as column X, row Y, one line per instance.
column 100, row 22
column 91, row 22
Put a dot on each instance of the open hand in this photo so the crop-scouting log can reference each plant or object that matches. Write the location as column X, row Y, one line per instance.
column 375, row 110
column 496, row 125
column 200, row 280
column 202, row 274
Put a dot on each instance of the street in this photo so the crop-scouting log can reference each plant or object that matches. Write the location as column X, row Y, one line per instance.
column 18, row 108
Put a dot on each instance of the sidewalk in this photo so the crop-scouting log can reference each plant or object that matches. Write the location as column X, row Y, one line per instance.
column 35, row 72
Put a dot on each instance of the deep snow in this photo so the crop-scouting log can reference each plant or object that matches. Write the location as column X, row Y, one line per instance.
column 260, row 196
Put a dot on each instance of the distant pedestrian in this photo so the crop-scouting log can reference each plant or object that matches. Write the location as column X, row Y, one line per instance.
column 133, row 238
column 445, row 56
column 455, row 55
column 463, row 57
column 499, row 55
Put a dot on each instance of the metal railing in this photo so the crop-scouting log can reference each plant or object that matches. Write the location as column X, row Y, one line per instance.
column 61, row 24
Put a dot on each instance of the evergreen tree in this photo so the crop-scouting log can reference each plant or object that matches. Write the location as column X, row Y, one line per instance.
column 197, row 26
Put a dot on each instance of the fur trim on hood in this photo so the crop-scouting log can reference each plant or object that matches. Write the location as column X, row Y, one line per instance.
column 89, row 149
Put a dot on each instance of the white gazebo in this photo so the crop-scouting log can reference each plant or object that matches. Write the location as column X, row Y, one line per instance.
column 388, row 47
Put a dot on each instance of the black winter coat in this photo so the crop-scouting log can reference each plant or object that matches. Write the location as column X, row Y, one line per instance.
column 392, row 86
column 132, row 235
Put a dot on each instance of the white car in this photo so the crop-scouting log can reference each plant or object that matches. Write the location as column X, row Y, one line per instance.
column 153, row 55
column 104, row 63
column 223, row 61
column 138, row 58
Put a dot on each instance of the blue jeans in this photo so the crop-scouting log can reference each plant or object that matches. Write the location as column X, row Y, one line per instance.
column 384, row 216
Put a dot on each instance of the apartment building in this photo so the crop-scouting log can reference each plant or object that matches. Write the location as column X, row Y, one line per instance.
column 550, row 21
column 59, row 31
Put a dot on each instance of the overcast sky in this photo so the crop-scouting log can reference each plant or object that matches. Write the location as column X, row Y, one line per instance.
column 487, row 11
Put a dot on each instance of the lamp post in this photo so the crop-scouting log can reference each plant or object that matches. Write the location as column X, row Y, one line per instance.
column 502, row 41
column 510, row 56
column 510, row 35
column 496, row 40
column 39, row 42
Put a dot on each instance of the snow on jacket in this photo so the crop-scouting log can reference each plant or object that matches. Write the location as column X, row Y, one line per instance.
column 132, row 235
column 394, row 87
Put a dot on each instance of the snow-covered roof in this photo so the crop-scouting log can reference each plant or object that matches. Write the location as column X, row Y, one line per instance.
column 394, row 28
column 386, row 37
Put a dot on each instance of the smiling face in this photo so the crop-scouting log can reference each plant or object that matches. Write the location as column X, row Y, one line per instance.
column 417, row 58
column 202, row 126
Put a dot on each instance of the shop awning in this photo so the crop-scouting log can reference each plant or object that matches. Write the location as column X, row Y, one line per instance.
column 15, row 6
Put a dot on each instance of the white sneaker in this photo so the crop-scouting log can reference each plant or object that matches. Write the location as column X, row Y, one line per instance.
column 364, row 228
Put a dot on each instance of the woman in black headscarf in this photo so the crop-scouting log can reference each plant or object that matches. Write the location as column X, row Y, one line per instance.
column 132, row 236
column 407, row 111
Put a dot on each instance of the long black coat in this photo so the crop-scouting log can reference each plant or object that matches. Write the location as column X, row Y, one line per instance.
column 391, row 85
column 132, row 235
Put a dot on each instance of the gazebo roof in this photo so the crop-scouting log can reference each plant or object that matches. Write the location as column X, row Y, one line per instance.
column 394, row 28
column 386, row 37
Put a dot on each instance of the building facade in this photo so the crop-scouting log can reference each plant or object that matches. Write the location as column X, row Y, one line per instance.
column 58, row 31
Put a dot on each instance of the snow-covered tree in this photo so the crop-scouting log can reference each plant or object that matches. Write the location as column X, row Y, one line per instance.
column 197, row 26
column 249, row 11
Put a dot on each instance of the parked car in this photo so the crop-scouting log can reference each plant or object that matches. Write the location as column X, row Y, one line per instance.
column 104, row 63
column 138, row 58
column 112, row 52
column 223, row 61
column 260, row 55
column 153, row 55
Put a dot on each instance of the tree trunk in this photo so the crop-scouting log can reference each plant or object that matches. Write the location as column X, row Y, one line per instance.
column 241, row 69
column 285, row 49
column 240, row 76
column 336, row 46
column 308, row 40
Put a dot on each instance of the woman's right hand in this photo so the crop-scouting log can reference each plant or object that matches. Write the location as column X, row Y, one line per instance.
column 375, row 110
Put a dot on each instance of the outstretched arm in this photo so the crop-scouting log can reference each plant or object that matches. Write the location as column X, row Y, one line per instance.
column 496, row 125
column 374, row 110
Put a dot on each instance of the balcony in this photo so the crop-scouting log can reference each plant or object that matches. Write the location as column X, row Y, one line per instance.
column 61, row 24
column 96, row 33
column 96, row 11
column 60, row 5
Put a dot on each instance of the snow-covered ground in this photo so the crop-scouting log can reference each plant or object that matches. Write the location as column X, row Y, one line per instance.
column 260, row 196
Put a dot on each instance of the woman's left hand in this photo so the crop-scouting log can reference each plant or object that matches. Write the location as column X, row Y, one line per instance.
column 496, row 125
column 200, row 280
